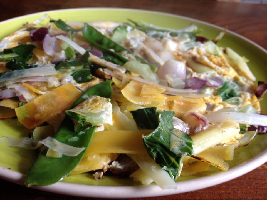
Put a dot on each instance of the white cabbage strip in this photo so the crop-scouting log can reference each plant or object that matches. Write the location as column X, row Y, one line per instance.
column 51, row 143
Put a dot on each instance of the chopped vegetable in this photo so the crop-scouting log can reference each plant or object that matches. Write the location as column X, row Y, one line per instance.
column 46, row 106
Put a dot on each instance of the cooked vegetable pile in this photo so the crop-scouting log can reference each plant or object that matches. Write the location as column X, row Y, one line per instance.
column 128, row 99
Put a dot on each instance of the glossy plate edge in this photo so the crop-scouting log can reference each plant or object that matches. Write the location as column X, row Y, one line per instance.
column 140, row 191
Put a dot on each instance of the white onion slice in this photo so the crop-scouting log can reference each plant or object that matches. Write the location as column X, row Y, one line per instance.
column 154, row 171
column 243, row 118
column 72, row 44
column 50, row 142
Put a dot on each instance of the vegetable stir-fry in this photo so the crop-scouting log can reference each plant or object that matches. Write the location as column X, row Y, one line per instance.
column 128, row 99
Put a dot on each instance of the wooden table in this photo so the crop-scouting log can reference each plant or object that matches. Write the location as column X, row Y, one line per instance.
column 248, row 20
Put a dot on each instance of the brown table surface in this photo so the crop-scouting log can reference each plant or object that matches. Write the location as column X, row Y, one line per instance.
column 248, row 20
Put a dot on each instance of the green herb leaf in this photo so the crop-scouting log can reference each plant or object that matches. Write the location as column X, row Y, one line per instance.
column 166, row 145
column 69, row 52
column 74, row 62
column 64, row 27
column 82, row 75
column 16, row 65
column 18, row 57
column 227, row 91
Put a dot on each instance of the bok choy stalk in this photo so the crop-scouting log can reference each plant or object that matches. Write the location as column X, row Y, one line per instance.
column 49, row 170
column 166, row 145
column 108, row 46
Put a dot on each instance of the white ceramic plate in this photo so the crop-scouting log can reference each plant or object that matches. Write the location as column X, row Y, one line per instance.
column 246, row 158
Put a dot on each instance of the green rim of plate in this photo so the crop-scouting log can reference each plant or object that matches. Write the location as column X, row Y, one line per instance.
column 20, row 160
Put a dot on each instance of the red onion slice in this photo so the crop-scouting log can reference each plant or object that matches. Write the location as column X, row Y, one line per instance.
column 261, row 89
column 214, row 81
column 7, row 94
column 201, row 39
column 195, row 83
column 196, row 121
column 51, row 45
column 38, row 35
column 97, row 53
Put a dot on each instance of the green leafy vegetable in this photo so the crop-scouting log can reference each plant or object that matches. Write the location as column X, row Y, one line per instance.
column 74, row 62
column 69, row 52
column 227, row 91
column 48, row 170
column 18, row 57
column 82, row 75
column 166, row 145
column 108, row 46
column 103, row 89
column 63, row 26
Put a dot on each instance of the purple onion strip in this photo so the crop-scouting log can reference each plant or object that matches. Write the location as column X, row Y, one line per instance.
column 195, row 83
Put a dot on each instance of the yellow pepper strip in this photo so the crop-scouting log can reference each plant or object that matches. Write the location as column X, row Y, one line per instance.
column 46, row 106
column 9, row 103
column 6, row 113
column 128, row 142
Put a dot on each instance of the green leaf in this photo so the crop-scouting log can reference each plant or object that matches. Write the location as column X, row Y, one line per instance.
column 16, row 65
column 146, row 118
column 63, row 26
column 69, row 52
column 166, row 145
column 108, row 46
column 18, row 57
column 74, row 62
column 102, row 89
column 227, row 91
column 23, row 51
column 82, row 75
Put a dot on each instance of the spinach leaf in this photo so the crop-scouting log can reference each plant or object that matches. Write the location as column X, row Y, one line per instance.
column 82, row 75
column 108, row 46
column 24, row 52
column 227, row 91
column 74, row 62
column 166, row 145
column 64, row 27
column 18, row 57
column 69, row 52
column 15, row 65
